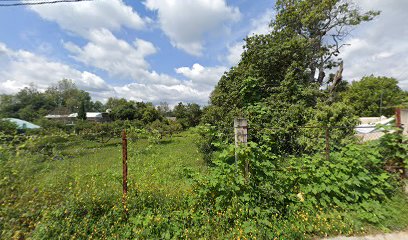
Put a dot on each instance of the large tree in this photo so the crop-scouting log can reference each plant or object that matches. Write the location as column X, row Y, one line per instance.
column 27, row 104
column 68, row 97
column 374, row 96
column 305, row 39
column 188, row 115
column 63, row 98
column 278, row 82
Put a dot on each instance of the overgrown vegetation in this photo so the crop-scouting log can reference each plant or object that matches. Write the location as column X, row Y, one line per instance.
column 59, row 186
column 308, row 176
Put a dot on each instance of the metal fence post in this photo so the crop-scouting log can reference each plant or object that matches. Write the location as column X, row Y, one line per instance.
column 398, row 117
column 125, row 171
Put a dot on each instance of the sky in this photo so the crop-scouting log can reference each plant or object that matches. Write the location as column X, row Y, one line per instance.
column 167, row 50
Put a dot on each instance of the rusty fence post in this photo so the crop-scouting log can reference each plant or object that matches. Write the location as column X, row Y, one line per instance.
column 327, row 143
column 241, row 137
column 398, row 117
column 125, row 171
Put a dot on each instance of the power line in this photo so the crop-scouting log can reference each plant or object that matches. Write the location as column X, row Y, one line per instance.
column 21, row 0
column 25, row 3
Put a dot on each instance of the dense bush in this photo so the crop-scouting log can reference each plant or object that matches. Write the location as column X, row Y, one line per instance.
column 280, row 189
column 7, row 127
column 287, row 197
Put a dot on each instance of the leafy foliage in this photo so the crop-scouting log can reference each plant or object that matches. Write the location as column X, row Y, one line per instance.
column 188, row 115
column 278, row 84
column 82, row 112
column 374, row 96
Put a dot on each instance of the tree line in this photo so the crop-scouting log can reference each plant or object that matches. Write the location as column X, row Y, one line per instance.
column 65, row 98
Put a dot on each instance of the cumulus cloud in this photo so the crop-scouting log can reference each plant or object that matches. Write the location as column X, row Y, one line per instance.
column 81, row 17
column 197, row 86
column 22, row 68
column 161, row 93
column 258, row 26
column 187, row 23
column 119, row 58
column 234, row 53
column 204, row 78
column 379, row 47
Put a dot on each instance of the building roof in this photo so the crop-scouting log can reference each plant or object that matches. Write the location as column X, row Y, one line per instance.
column 369, row 124
column 88, row 115
column 56, row 116
column 21, row 124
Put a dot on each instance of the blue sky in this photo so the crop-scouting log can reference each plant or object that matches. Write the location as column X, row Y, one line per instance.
column 165, row 50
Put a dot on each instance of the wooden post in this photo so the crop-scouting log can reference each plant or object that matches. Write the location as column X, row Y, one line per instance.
column 125, row 171
column 241, row 137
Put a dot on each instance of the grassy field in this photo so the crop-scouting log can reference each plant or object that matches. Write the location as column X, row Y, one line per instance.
column 74, row 191
column 88, row 172
column 152, row 167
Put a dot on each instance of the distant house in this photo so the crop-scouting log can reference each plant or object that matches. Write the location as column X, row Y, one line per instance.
column 21, row 124
column 93, row 116
column 58, row 117
column 369, row 130
column 90, row 116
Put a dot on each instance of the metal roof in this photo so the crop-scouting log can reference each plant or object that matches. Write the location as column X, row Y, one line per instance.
column 21, row 124
column 88, row 115
column 369, row 125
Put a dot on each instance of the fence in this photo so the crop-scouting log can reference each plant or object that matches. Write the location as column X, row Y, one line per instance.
column 242, row 133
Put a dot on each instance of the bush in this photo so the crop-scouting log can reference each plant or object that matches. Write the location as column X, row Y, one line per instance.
column 280, row 189
column 7, row 127
column 47, row 145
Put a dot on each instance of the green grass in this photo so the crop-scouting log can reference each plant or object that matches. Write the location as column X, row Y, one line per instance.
column 158, row 166
column 90, row 172
column 77, row 193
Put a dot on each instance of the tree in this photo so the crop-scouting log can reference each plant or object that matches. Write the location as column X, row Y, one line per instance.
column 82, row 111
column 194, row 114
column 121, row 109
column 31, row 104
column 324, row 24
column 187, row 115
column 180, row 111
column 97, row 106
column 150, row 114
column 67, row 97
column 280, row 78
column 28, row 104
column 164, row 109
column 374, row 96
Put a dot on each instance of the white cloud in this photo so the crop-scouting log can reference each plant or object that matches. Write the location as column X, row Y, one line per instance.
column 197, row 88
column 21, row 68
column 158, row 93
column 258, row 26
column 186, row 23
column 261, row 25
column 234, row 53
column 204, row 78
column 81, row 17
column 379, row 47
column 119, row 58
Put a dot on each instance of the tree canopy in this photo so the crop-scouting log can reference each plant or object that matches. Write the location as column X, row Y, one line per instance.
column 374, row 96
column 280, row 80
